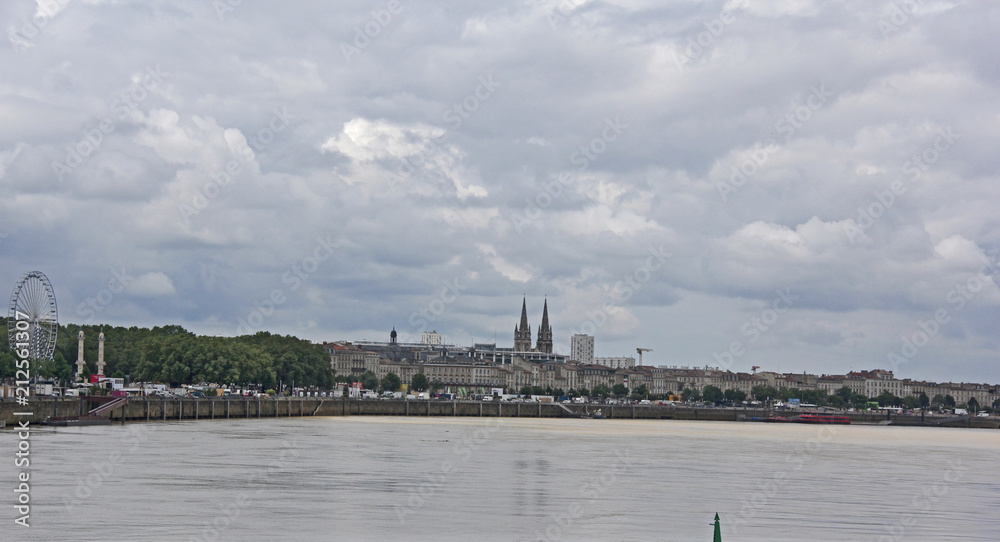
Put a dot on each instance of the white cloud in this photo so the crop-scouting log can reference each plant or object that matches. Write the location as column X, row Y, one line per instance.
column 374, row 157
column 598, row 219
column 511, row 271
column 152, row 284
column 413, row 154
column 366, row 140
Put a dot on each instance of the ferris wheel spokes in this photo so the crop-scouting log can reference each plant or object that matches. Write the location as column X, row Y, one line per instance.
column 34, row 302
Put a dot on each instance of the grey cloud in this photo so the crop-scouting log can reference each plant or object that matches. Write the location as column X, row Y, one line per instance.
column 562, row 75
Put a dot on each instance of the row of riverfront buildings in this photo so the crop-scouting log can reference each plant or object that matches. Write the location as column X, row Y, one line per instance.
column 484, row 366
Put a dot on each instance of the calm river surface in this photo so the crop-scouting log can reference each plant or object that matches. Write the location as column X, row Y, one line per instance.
column 510, row 479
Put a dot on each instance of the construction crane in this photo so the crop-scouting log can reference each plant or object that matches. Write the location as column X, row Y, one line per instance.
column 640, row 351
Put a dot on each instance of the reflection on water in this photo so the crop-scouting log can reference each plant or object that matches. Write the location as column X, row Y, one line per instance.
column 509, row 479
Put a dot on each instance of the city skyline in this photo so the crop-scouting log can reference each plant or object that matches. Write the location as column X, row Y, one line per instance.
column 295, row 233
column 796, row 185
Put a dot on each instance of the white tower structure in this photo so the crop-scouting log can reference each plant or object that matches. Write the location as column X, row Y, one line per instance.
column 79, row 356
column 100, row 353
column 581, row 348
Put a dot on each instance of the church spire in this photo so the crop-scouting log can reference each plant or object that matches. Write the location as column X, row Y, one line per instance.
column 524, row 313
column 545, row 315
column 545, row 332
column 522, row 332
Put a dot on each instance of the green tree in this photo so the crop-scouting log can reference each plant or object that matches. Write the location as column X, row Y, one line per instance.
column 973, row 404
column 600, row 390
column 887, row 399
column 419, row 382
column 836, row 401
column 937, row 401
column 845, row 394
column 619, row 390
column 690, row 394
column 712, row 394
column 57, row 367
column 558, row 392
column 763, row 393
column 924, row 400
column 391, row 382
column 858, row 400
column 815, row 397
column 573, row 393
column 585, row 392
column 790, row 393
column 642, row 392
column 293, row 359
column 538, row 390
column 7, row 364
column 436, row 385
column 911, row 402
column 735, row 396
column 949, row 401
column 525, row 390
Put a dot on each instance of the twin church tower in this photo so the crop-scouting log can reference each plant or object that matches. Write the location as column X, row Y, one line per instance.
column 522, row 332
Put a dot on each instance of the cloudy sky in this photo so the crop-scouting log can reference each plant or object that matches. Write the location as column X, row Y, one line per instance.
column 799, row 185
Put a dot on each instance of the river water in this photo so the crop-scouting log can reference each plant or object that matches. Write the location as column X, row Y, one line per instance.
column 442, row 479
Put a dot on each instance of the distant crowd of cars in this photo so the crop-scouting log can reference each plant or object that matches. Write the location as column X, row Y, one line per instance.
column 425, row 396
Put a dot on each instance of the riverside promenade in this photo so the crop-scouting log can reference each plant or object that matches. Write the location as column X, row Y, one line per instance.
column 142, row 409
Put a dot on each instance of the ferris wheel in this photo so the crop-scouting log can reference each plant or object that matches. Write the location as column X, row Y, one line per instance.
column 34, row 302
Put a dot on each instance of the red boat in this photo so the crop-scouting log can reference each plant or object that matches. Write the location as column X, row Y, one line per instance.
column 822, row 418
